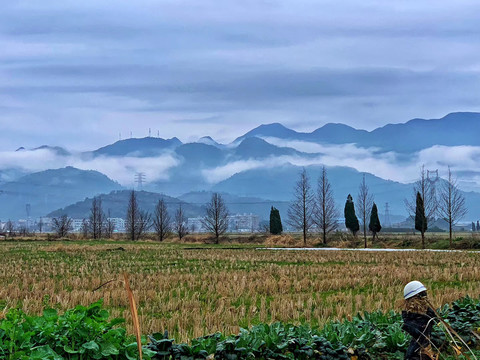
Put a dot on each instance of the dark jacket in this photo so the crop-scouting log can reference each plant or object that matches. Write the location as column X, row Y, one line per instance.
column 420, row 327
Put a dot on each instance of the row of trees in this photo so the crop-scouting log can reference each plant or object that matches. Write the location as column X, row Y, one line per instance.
column 138, row 222
column 448, row 204
column 311, row 208
column 317, row 209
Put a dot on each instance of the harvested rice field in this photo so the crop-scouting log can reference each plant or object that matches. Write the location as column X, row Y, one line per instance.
column 193, row 290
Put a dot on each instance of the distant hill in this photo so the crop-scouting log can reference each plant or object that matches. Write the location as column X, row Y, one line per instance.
column 116, row 203
column 209, row 141
column 278, row 183
column 144, row 147
column 55, row 149
column 256, row 148
column 239, row 204
column 270, row 130
column 51, row 189
column 193, row 203
column 254, row 167
column 200, row 155
column 455, row 129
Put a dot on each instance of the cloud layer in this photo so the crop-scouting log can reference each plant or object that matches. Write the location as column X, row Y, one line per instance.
column 463, row 161
column 78, row 74
column 120, row 169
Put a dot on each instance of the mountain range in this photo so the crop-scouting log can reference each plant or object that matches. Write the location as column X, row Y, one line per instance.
column 257, row 170
column 455, row 129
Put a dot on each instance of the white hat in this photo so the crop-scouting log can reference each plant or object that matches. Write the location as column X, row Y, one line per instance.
column 413, row 288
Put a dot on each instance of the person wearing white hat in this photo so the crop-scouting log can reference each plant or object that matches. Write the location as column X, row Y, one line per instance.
column 418, row 320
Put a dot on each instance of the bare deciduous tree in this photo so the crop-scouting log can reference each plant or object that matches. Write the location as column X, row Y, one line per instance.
column 144, row 223
column 109, row 226
column 326, row 213
column 364, row 206
column 216, row 217
column 426, row 189
column 161, row 220
column 85, row 228
column 451, row 204
column 180, row 224
column 62, row 225
column 40, row 225
column 96, row 220
column 10, row 228
column 137, row 221
column 300, row 212
column 23, row 231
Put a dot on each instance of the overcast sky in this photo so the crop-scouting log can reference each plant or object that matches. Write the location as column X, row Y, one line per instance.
column 79, row 73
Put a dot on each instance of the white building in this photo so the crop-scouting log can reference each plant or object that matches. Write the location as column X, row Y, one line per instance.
column 77, row 225
column 236, row 223
column 119, row 224
column 243, row 223
column 195, row 225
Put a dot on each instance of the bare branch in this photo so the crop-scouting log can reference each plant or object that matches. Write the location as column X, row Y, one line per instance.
column 427, row 191
column 326, row 213
column 300, row 212
column 180, row 224
column 364, row 205
column 161, row 220
column 216, row 218
column 451, row 204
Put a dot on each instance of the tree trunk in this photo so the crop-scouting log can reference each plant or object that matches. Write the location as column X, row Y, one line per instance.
column 365, row 233
column 450, row 238
column 324, row 236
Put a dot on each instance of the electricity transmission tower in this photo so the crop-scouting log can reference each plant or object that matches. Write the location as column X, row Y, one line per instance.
column 139, row 180
column 432, row 179
column 28, row 208
column 386, row 218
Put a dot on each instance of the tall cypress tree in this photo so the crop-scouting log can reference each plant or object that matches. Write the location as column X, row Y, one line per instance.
column 374, row 225
column 420, row 218
column 351, row 220
column 276, row 227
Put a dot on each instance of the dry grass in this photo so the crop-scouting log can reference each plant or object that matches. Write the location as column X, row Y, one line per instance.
column 194, row 292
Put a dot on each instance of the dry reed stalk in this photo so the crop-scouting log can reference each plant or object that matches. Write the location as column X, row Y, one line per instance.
column 133, row 309
column 451, row 331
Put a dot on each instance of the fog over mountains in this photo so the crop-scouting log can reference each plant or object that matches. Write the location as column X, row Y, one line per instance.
column 257, row 170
